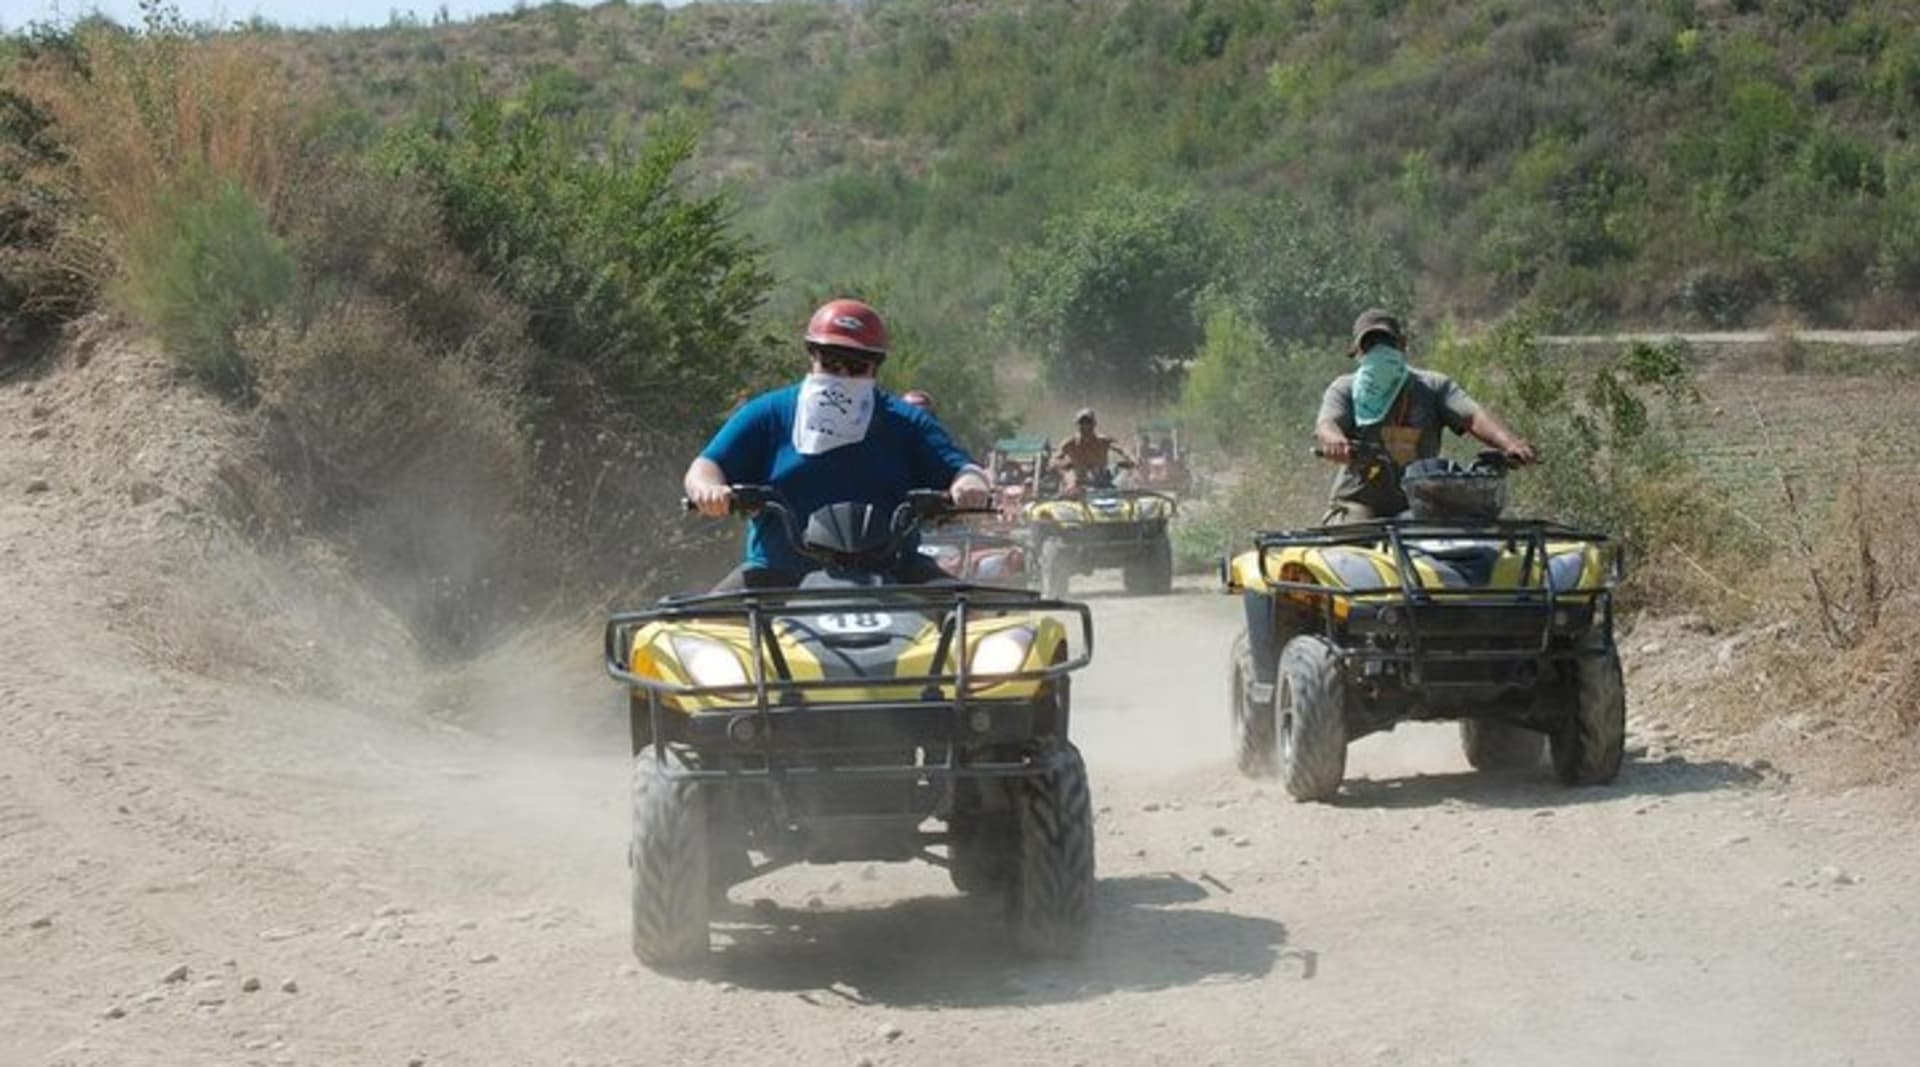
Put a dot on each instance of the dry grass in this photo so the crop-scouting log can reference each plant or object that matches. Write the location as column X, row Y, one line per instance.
column 1824, row 668
column 138, row 114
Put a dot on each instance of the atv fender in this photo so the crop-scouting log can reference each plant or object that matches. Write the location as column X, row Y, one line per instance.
column 1262, row 642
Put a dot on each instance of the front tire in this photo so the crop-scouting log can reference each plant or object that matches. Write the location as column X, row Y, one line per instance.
column 1152, row 574
column 1055, row 568
column 1310, row 719
column 981, row 854
column 1491, row 745
column 1052, row 895
column 1253, row 731
column 1588, row 748
column 670, row 858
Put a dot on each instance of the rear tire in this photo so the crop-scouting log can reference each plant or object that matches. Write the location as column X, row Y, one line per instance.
column 1152, row 573
column 1253, row 733
column 1052, row 893
column 1310, row 719
column 670, row 860
column 1055, row 568
column 1491, row 745
column 1588, row 748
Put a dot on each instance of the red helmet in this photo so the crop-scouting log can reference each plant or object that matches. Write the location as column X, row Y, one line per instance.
column 919, row 398
column 848, row 324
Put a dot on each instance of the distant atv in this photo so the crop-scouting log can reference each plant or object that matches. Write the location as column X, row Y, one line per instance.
column 977, row 555
column 1165, row 464
column 1453, row 613
column 1103, row 528
column 828, row 723
column 1021, row 471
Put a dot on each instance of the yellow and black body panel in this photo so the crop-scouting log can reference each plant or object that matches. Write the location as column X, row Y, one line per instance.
column 765, row 678
column 1103, row 507
column 1104, row 528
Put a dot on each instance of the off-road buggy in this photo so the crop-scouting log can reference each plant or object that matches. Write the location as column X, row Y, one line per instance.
column 1099, row 528
column 829, row 722
column 1451, row 612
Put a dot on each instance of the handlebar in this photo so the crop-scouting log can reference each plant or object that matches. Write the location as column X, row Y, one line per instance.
column 1358, row 449
column 1493, row 458
column 922, row 507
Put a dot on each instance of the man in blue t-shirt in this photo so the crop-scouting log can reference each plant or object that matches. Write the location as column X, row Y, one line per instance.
column 831, row 438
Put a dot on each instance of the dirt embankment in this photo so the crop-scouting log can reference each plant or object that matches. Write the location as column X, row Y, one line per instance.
column 244, row 821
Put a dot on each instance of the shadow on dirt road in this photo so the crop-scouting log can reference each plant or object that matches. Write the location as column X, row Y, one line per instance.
column 1674, row 776
column 956, row 951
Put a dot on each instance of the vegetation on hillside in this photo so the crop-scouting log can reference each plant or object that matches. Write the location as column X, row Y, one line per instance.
column 1681, row 163
column 472, row 347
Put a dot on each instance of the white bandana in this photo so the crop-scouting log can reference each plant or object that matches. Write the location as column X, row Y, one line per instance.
column 833, row 411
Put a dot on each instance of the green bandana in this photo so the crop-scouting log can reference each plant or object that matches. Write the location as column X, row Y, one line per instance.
column 1383, row 370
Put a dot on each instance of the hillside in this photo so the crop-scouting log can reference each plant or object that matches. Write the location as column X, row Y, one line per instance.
column 1694, row 163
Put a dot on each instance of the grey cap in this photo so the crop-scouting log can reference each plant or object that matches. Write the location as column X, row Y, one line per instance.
column 1376, row 320
column 1084, row 415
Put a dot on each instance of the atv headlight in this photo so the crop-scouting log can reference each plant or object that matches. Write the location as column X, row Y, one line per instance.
column 991, row 566
column 708, row 662
column 1565, row 569
column 1002, row 652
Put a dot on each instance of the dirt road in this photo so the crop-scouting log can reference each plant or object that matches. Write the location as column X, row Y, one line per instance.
column 403, row 889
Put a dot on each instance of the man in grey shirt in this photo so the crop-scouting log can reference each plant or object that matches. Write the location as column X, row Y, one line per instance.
column 1397, row 409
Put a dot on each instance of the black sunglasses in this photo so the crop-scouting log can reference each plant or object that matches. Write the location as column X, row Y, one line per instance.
column 846, row 362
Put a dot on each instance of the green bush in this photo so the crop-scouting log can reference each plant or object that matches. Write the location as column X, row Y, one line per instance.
column 41, row 284
column 1111, row 287
column 205, row 268
column 1612, row 441
column 621, row 270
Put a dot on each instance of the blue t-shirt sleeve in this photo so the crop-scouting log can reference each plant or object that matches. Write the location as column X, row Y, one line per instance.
column 744, row 446
column 937, row 460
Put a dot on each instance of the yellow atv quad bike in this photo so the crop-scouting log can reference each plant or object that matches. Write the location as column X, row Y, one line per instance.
column 1449, row 613
column 827, row 723
column 1100, row 528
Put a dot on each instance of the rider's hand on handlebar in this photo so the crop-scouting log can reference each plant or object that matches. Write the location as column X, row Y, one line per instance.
column 1333, row 445
column 971, row 491
column 1520, row 451
column 713, row 501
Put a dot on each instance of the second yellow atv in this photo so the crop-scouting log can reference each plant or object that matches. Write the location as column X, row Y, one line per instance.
column 1450, row 613
column 1103, row 527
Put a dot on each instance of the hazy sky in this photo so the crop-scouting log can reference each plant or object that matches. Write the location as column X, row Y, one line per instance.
column 17, row 13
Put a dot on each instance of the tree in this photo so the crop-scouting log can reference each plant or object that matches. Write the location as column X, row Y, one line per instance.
column 1111, row 289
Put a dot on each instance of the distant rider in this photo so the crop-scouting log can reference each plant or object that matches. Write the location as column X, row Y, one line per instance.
column 1400, row 409
column 1085, row 455
column 832, row 437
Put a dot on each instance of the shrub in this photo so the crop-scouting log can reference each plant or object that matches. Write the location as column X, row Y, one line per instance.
column 48, row 255
column 203, row 268
column 1304, row 271
column 413, row 460
column 622, row 272
column 1110, row 288
column 137, row 114
column 1613, row 452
